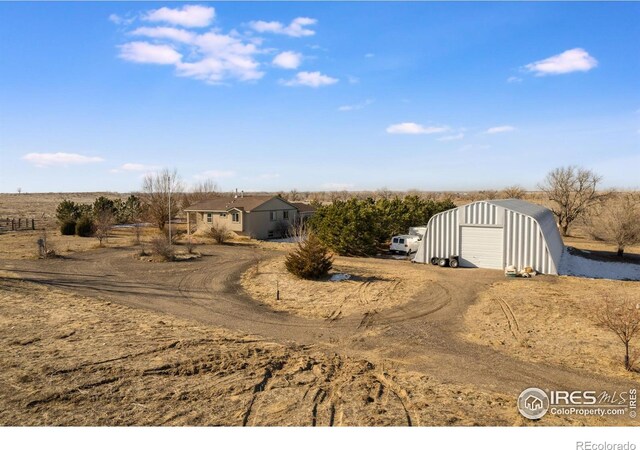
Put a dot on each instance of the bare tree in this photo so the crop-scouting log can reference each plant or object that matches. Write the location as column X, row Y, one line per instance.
column 617, row 221
column 622, row 316
column 19, row 190
column 514, row 191
column 203, row 190
column 103, row 221
column 573, row 190
column 157, row 192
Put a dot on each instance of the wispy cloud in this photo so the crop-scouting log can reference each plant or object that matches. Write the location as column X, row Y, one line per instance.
column 355, row 106
column 119, row 20
column 173, row 34
column 190, row 16
column 452, row 137
column 287, row 60
column 500, row 129
column 59, row 159
column 369, row 55
column 212, row 55
column 146, row 53
column 311, row 79
column 297, row 27
column 353, row 80
column 415, row 128
column 514, row 80
column 574, row 60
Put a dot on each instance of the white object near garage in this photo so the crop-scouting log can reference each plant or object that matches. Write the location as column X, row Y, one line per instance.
column 405, row 243
column 494, row 234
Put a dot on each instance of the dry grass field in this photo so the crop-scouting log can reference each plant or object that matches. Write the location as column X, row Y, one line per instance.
column 73, row 360
column 98, row 337
column 551, row 319
column 375, row 284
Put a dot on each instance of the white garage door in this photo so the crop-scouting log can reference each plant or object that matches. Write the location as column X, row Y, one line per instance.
column 481, row 247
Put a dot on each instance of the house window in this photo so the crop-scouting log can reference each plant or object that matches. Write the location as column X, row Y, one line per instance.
column 274, row 215
column 235, row 217
column 285, row 215
column 209, row 217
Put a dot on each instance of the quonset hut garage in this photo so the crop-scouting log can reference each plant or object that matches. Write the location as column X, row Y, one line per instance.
column 495, row 234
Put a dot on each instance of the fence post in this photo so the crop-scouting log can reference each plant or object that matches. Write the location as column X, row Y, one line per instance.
column 33, row 224
column 13, row 224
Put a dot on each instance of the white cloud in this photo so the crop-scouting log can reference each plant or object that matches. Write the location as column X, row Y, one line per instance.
column 190, row 16
column 415, row 128
column 574, row 60
column 500, row 129
column 59, row 159
column 369, row 55
column 453, row 137
column 355, row 106
column 353, row 80
column 216, row 174
column 146, row 53
column 288, row 60
column 295, row 29
column 174, row 34
column 514, row 80
column 119, row 20
column 311, row 79
column 223, row 56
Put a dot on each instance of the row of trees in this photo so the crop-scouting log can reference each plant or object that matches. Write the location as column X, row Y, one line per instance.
column 360, row 227
column 97, row 219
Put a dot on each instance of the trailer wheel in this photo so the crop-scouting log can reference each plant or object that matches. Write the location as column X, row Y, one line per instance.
column 453, row 262
column 443, row 262
column 434, row 261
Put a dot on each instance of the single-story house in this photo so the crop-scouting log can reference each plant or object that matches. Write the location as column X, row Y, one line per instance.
column 256, row 216
column 305, row 210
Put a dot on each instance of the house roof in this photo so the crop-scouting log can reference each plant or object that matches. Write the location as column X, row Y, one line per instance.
column 247, row 202
column 304, row 207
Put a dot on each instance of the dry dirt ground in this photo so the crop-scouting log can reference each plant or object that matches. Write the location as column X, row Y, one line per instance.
column 101, row 337
column 551, row 319
column 72, row 360
column 375, row 285
column 48, row 304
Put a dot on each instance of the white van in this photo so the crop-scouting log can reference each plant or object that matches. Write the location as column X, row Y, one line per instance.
column 405, row 243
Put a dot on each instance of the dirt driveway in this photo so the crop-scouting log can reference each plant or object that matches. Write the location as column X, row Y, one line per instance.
column 422, row 335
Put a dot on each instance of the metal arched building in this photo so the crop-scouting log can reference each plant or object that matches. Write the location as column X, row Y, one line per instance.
column 495, row 234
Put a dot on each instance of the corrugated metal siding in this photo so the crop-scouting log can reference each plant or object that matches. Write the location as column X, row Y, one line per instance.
column 530, row 239
column 525, row 244
column 441, row 237
column 481, row 213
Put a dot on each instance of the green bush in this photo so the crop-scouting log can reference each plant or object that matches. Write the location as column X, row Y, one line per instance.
column 311, row 260
column 68, row 227
column 360, row 227
column 85, row 227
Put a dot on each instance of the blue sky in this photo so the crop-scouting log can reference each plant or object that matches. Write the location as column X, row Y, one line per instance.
column 317, row 96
